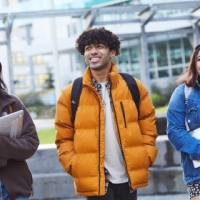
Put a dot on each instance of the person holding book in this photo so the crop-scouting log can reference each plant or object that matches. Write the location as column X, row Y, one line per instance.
column 183, row 120
column 15, row 176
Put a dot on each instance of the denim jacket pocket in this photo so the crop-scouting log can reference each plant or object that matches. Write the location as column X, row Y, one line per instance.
column 187, row 165
column 189, row 172
column 192, row 117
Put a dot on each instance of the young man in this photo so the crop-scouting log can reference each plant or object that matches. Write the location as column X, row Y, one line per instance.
column 110, row 146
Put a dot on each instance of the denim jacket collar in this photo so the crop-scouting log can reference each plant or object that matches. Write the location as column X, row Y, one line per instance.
column 197, row 82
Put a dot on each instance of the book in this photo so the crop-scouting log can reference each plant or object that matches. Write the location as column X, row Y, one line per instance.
column 196, row 133
column 11, row 124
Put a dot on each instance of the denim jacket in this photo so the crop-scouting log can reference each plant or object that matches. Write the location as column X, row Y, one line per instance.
column 180, row 138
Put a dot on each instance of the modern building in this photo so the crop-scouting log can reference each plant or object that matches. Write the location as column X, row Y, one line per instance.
column 157, row 39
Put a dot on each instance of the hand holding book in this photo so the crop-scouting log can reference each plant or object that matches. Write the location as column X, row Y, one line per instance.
column 11, row 124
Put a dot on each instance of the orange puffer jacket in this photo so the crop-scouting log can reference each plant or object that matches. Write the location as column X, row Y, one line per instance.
column 81, row 146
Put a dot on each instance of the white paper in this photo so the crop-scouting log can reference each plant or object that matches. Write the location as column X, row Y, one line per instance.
column 11, row 124
column 196, row 133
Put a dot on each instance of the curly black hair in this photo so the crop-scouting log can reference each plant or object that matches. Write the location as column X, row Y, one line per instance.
column 98, row 36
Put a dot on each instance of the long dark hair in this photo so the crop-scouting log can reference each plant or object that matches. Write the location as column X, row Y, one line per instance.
column 3, row 86
column 190, row 74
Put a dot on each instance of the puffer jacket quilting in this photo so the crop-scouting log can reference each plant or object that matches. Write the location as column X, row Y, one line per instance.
column 81, row 147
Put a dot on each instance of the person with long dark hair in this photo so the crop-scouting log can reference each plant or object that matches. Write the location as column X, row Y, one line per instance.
column 183, row 120
column 15, row 176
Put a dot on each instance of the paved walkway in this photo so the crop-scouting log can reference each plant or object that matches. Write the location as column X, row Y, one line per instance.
column 165, row 197
column 49, row 123
column 154, row 197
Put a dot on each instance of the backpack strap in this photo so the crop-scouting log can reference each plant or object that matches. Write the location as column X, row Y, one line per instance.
column 75, row 96
column 187, row 91
column 132, row 85
column 77, row 88
column 10, row 108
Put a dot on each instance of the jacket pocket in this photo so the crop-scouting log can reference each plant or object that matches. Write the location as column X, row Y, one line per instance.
column 188, row 169
column 148, row 158
column 123, row 113
column 73, row 165
column 144, row 157
column 192, row 117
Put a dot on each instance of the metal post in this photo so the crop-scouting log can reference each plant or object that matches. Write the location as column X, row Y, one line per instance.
column 30, row 59
column 55, row 53
column 196, row 39
column 145, row 18
column 94, row 14
column 9, row 23
column 144, row 50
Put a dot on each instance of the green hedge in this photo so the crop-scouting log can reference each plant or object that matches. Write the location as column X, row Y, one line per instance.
column 161, row 96
column 34, row 105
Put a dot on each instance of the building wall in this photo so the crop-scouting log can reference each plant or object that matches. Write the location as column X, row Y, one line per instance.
column 4, row 62
column 168, row 57
column 168, row 53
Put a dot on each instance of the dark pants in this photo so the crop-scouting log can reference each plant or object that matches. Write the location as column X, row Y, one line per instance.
column 116, row 192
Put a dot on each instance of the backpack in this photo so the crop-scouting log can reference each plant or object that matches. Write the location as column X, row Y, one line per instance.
column 77, row 88
column 187, row 91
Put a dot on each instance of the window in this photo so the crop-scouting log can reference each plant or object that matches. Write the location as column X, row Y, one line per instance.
column 175, row 52
column 151, row 56
column 137, row 75
column 163, row 73
column 40, row 80
column 187, row 49
column 177, row 71
column 21, row 81
column 39, row 60
column 152, row 75
column 123, row 60
column 161, row 54
column 18, row 58
column 134, row 52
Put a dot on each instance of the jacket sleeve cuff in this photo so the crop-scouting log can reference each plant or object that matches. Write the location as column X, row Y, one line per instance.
column 196, row 155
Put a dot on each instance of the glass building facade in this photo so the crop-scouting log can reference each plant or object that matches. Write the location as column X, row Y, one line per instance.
column 166, row 58
column 168, row 54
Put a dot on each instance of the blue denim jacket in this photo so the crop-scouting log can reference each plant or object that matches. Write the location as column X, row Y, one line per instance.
column 179, row 137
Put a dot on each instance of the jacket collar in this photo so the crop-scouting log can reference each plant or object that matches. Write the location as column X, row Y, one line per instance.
column 6, row 99
column 113, row 76
column 198, row 84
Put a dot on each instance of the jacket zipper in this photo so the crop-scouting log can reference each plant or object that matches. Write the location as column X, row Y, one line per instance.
column 99, row 149
column 99, row 138
column 123, row 112
column 120, row 139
